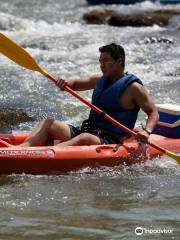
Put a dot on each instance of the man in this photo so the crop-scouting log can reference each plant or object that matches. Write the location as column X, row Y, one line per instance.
column 119, row 94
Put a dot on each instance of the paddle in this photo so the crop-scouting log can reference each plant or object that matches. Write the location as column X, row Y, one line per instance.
column 17, row 54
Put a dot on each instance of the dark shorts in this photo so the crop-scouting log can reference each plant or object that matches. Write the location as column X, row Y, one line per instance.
column 105, row 138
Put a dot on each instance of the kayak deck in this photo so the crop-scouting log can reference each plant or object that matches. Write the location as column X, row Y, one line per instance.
column 51, row 159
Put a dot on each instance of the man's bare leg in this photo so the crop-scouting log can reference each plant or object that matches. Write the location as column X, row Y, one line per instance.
column 47, row 128
column 81, row 140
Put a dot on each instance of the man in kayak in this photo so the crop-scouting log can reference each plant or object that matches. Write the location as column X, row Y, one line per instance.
column 119, row 94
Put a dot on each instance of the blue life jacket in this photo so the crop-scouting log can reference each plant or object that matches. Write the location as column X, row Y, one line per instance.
column 108, row 100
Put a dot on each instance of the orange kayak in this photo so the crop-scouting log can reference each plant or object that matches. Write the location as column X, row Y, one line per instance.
column 52, row 160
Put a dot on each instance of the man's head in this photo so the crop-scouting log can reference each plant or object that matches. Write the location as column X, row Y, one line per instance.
column 112, row 59
column 116, row 52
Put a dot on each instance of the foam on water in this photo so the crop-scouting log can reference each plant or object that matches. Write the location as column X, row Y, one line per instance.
column 27, row 29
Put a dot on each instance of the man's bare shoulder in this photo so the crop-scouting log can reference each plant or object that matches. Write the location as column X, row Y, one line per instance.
column 93, row 79
column 136, row 87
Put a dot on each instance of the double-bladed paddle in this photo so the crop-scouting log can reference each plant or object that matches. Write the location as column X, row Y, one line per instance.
column 18, row 55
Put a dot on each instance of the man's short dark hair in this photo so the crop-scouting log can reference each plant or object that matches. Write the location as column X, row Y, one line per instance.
column 116, row 51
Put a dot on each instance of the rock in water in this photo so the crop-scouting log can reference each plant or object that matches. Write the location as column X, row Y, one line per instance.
column 13, row 116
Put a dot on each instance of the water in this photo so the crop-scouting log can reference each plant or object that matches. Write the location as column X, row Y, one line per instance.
column 108, row 203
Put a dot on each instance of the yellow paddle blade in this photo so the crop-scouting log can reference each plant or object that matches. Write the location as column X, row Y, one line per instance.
column 18, row 55
column 173, row 155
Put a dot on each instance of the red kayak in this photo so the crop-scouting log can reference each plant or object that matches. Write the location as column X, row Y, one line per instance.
column 51, row 160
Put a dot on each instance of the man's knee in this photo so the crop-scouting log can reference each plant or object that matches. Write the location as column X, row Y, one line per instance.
column 46, row 122
column 47, row 125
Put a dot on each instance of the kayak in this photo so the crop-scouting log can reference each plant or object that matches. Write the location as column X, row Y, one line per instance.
column 96, row 2
column 52, row 160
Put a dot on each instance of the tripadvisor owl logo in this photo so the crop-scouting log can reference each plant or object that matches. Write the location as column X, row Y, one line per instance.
column 138, row 231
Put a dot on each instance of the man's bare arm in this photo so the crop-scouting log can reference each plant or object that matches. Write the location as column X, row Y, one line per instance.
column 85, row 83
column 142, row 98
column 80, row 84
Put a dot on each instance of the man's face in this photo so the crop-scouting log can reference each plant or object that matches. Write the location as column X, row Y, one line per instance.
column 108, row 65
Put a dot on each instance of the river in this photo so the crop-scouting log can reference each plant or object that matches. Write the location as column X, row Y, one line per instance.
column 105, row 203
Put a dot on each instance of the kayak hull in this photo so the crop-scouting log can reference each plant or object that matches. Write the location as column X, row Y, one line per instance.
column 53, row 160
